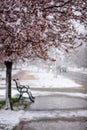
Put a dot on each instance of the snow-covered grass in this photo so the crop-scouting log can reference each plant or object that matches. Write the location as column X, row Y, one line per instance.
column 44, row 79
column 45, row 93
column 49, row 80
column 57, row 114
column 52, row 81
column 9, row 119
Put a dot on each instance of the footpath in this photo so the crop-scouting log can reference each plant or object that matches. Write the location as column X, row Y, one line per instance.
column 55, row 112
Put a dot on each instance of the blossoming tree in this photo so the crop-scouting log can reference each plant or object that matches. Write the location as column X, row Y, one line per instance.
column 30, row 28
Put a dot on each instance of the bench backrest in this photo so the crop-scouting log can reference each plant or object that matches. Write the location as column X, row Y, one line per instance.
column 17, row 82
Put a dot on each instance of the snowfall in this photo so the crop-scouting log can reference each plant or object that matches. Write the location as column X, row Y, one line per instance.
column 43, row 79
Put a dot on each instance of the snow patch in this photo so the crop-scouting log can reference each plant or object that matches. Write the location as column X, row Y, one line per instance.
column 10, row 118
column 48, row 80
column 50, row 17
column 77, row 13
column 80, row 28
column 57, row 114
column 44, row 93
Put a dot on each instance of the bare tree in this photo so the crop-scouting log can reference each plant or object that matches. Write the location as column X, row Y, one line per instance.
column 29, row 28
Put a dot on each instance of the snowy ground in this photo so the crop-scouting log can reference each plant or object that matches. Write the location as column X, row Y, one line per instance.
column 29, row 116
column 45, row 93
column 46, row 80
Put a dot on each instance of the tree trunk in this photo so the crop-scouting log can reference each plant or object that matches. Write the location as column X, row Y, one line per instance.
column 8, row 65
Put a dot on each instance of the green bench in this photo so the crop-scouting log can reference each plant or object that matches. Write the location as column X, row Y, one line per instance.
column 23, row 89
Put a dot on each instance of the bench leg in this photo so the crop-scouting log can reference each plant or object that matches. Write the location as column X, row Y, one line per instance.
column 30, row 96
column 21, row 94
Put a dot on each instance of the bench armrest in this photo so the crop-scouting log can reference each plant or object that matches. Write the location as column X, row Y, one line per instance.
column 24, row 86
